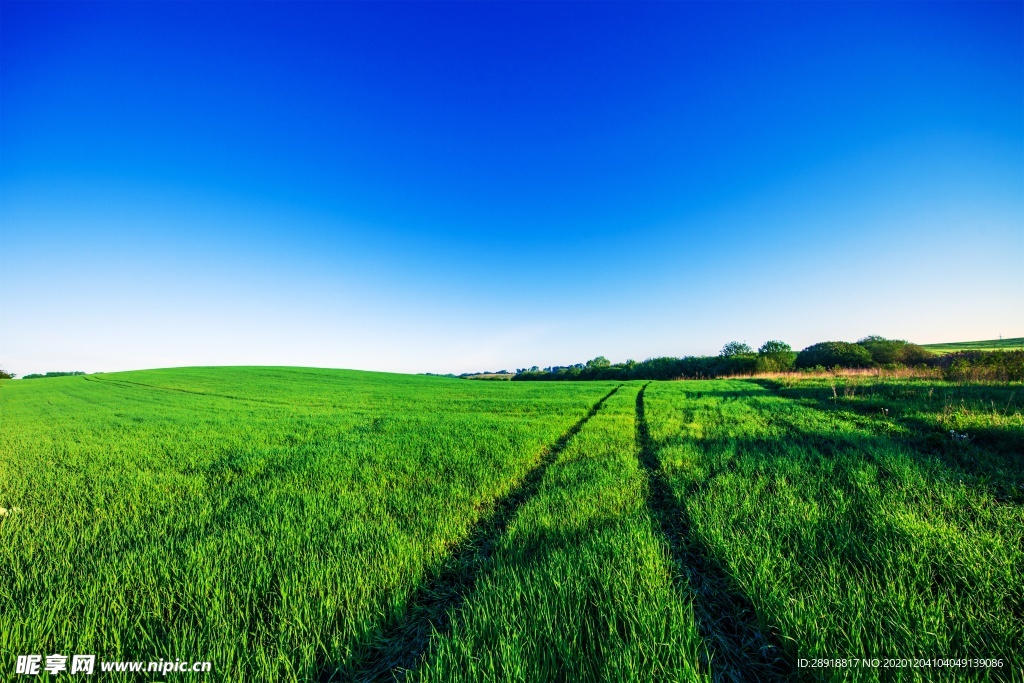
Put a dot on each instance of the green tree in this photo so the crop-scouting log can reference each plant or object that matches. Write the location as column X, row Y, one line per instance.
column 735, row 348
column 775, row 356
column 599, row 362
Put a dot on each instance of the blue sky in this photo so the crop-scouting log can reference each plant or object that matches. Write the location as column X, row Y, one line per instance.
column 452, row 187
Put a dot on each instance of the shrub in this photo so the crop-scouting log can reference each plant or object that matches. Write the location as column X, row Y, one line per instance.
column 741, row 364
column 1001, row 366
column 892, row 351
column 916, row 355
column 833, row 354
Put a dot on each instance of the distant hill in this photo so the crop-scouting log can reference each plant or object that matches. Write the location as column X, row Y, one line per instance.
column 987, row 345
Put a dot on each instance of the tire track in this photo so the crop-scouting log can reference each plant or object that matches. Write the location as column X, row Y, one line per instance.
column 126, row 384
column 726, row 619
column 395, row 652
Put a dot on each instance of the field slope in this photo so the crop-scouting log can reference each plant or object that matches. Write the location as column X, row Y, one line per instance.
column 1014, row 343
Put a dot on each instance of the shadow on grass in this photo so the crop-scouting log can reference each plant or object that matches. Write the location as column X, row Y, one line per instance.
column 860, row 519
column 394, row 651
column 993, row 457
column 741, row 650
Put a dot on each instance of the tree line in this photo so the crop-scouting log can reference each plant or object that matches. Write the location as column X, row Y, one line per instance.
column 36, row 375
column 738, row 358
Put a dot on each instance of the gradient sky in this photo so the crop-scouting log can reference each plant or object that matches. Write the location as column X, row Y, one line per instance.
column 453, row 187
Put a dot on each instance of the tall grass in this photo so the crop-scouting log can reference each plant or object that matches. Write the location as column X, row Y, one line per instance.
column 266, row 520
column 849, row 539
column 581, row 587
column 298, row 525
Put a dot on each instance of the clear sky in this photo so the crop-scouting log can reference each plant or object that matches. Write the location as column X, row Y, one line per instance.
column 452, row 187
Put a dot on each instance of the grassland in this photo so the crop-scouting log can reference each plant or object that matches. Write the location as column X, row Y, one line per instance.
column 1015, row 343
column 300, row 525
column 852, row 522
column 581, row 587
column 266, row 520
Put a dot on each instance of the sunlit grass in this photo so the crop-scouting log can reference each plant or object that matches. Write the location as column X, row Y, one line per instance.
column 852, row 540
column 581, row 587
column 262, row 519
column 285, row 524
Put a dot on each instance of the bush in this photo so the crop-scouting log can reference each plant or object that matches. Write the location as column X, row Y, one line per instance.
column 894, row 351
column 1000, row 366
column 916, row 355
column 740, row 364
column 834, row 354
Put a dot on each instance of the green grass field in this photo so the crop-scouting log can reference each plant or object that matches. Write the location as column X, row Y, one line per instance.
column 1015, row 343
column 314, row 525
